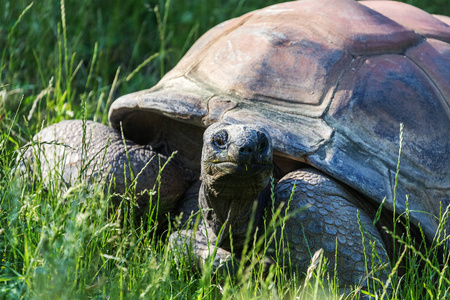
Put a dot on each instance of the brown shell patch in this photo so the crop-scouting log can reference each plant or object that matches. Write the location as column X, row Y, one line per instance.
column 433, row 58
column 376, row 95
column 413, row 18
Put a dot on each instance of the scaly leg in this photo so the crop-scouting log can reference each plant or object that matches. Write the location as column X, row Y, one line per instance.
column 330, row 222
column 96, row 151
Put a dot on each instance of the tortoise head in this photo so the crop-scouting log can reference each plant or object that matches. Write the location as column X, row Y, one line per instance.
column 237, row 154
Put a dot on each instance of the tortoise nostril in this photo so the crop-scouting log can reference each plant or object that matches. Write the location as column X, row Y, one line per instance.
column 245, row 150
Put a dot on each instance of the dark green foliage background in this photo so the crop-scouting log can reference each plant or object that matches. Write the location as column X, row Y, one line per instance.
column 126, row 32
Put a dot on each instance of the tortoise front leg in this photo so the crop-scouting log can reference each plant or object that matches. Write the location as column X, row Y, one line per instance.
column 330, row 222
column 71, row 150
column 193, row 245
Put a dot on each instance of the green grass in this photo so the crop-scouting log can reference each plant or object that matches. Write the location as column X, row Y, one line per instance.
column 71, row 59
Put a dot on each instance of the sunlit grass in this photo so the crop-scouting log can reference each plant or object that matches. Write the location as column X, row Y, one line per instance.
column 71, row 59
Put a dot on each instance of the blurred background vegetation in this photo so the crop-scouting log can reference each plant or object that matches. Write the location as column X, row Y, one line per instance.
column 84, row 54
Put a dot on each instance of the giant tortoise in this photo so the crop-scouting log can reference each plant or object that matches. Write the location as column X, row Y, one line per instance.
column 312, row 94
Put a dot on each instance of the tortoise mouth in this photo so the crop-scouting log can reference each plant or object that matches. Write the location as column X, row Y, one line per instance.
column 239, row 169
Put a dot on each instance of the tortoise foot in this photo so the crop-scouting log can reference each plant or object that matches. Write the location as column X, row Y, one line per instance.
column 193, row 247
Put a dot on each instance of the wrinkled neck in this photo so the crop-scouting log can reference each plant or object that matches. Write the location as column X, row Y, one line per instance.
column 231, row 207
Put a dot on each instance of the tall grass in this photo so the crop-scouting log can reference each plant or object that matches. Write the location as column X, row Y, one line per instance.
column 70, row 59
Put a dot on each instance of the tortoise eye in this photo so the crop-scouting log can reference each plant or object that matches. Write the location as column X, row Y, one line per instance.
column 220, row 139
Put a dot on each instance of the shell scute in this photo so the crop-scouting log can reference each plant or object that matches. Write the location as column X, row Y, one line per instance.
column 413, row 18
column 381, row 92
column 276, row 72
column 433, row 57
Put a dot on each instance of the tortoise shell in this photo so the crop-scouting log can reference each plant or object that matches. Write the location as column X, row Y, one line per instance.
column 331, row 81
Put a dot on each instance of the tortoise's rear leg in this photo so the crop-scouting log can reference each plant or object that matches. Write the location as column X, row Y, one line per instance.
column 330, row 222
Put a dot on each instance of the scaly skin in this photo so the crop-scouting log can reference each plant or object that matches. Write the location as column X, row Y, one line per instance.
column 236, row 167
column 330, row 222
column 57, row 151
column 227, row 196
